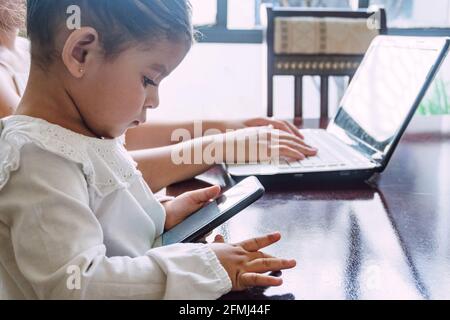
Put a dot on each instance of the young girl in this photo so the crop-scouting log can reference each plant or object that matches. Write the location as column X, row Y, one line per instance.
column 76, row 218
column 14, row 56
column 149, row 143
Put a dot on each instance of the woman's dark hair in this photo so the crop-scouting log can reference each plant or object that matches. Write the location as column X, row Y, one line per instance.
column 118, row 23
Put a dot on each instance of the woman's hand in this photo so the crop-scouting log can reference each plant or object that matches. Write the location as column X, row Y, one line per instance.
column 246, row 265
column 183, row 206
column 263, row 144
column 276, row 124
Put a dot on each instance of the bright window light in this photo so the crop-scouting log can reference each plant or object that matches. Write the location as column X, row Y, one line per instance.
column 205, row 12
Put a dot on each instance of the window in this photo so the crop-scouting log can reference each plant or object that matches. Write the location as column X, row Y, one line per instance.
column 242, row 14
column 314, row 3
column 420, row 18
column 437, row 99
column 204, row 12
column 417, row 17
column 416, row 13
column 225, row 21
column 240, row 67
column 239, row 21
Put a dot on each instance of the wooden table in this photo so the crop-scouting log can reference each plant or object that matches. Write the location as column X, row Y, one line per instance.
column 389, row 240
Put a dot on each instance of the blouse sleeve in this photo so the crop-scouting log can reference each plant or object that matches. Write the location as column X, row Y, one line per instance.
column 58, row 243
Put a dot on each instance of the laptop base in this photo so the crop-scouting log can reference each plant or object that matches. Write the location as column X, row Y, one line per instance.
column 317, row 178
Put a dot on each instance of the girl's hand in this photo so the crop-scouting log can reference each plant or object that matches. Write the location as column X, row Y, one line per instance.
column 246, row 265
column 183, row 206
column 276, row 124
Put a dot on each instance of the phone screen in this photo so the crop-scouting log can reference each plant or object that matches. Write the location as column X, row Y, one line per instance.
column 232, row 197
column 211, row 216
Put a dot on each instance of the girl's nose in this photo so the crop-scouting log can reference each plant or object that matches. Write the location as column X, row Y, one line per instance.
column 152, row 101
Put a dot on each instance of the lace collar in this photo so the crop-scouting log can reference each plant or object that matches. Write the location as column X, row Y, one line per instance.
column 106, row 164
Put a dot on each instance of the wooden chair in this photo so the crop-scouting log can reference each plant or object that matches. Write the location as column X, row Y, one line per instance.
column 299, row 65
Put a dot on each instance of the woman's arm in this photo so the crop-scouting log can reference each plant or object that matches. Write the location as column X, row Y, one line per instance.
column 9, row 100
column 159, row 134
column 165, row 166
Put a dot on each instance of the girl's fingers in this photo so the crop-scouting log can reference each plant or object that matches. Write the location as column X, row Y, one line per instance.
column 270, row 264
column 256, row 244
column 248, row 280
column 259, row 255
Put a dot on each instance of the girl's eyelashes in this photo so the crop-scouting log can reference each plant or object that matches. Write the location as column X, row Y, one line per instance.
column 148, row 82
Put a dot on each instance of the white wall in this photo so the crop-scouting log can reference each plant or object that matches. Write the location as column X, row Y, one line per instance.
column 218, row 81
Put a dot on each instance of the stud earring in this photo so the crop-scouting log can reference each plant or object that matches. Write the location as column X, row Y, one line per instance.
column 81, row 70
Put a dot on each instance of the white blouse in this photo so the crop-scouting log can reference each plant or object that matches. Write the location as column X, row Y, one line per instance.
column 77, row 221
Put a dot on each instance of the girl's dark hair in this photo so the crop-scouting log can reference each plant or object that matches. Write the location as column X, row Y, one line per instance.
column 118, row 23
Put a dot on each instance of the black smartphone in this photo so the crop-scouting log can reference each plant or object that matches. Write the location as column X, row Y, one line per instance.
column 214, row 214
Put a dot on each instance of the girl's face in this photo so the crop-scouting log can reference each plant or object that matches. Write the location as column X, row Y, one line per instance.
column 113, row 96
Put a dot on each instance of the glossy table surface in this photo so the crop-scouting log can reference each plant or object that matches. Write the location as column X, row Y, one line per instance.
column 386, row 240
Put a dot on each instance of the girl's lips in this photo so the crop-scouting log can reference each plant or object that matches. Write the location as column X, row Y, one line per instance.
column 143, row 120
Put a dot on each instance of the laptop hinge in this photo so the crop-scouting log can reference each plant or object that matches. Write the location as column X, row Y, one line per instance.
column 370, row 153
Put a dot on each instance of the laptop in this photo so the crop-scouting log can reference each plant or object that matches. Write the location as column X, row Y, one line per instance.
column 375, row 111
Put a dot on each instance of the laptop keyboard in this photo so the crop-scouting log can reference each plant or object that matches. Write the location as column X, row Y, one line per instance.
column 332, row 153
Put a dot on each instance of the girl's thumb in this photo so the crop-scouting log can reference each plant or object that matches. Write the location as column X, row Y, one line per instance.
column 207, row 194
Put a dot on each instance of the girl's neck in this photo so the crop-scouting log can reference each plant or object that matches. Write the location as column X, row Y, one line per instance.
column 8, row 38
column 46, row 98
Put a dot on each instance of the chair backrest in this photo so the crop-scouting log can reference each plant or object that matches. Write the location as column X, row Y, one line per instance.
column 303, row 42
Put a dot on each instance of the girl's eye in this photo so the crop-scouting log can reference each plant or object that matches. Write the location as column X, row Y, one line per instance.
column 148, row 82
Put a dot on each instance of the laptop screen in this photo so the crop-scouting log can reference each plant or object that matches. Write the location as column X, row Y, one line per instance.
column 385, row 89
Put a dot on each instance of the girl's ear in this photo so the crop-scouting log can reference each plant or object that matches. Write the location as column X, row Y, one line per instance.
column 79, row 50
